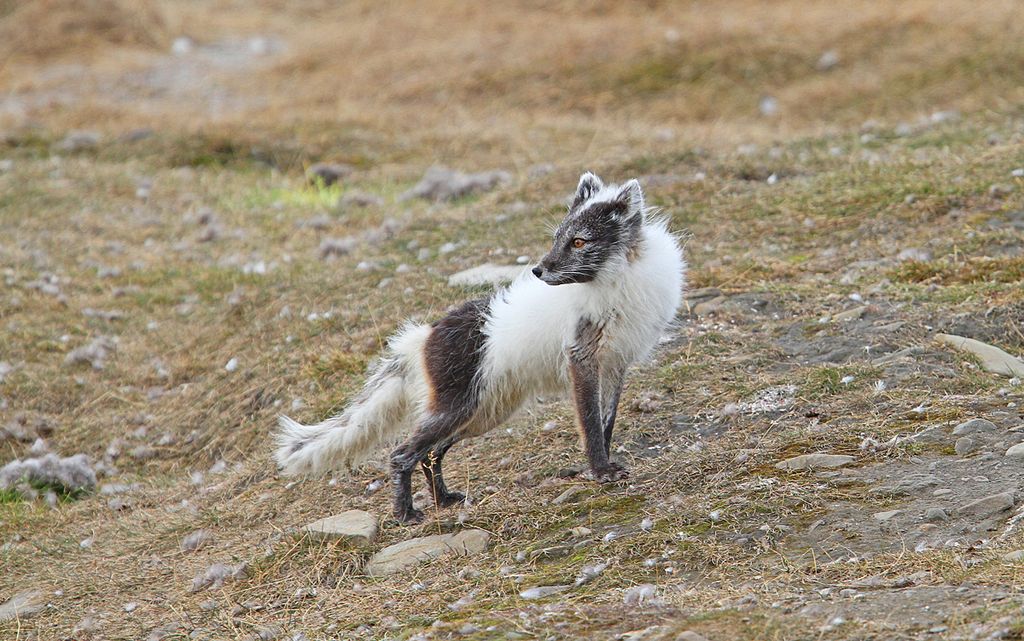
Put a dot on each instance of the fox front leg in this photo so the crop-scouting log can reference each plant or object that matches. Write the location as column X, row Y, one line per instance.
column 611, row 391
column 586, row 380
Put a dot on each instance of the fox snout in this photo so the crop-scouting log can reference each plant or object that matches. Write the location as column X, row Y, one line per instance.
column 545, row 270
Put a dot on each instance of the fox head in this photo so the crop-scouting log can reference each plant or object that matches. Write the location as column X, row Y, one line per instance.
column 597, row 236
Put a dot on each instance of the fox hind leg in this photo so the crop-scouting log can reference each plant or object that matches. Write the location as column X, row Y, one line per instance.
column 452, row 355
column 434, row 431
column 431, row 466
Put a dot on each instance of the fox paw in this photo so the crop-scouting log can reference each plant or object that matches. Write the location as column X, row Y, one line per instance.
column 410, row 516
column 449, row 499
column 608, row 473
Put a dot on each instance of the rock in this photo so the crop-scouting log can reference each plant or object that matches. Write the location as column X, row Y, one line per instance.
column 693, row 296
column 974, row 426
column 165, row 632
column 690, row 635
column 1014, row 557
column 543, row 591
column 182, row 45
column 828, row 60
column 647, row 403
column 850, row 314
column 992, row 358
column 964, row 445
column 408, row 554
column 330, row 247
column 119, row 504
column 909, row 484
column 327, row 173
column 935, row 515
column 813, row 461
column 1000, row 190
column 886, row 516
column 486, row 274
column 356, row 525
column 360, row 199
column 196, row 540
column 137, row 134
column 709, row 307
column 768, row 106
column 77, row 141
column 142, row 453
column 640, row 595
column 914, row 254
column 71, row 473
column 1017, row 451
column 218, row 574
column 440, row 184
column 989, row 505
column 95, row 353
column 5, row 369
column 22, row 605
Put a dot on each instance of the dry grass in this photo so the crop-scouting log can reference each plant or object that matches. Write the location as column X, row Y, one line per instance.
column 49, row 30
column 392, row 89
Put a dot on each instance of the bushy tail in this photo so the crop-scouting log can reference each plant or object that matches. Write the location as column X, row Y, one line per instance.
column 379, row 414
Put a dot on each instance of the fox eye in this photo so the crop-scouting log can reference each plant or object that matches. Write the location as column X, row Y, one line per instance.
column 578, row 243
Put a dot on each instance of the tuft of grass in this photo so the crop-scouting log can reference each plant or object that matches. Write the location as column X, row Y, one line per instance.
column 969, row 271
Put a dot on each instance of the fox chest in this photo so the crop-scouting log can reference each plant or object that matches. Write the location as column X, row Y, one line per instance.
column 621, row 337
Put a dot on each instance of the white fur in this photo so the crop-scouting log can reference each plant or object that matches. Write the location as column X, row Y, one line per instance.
column 528, row 329
column 532, row 323
column 381, row 413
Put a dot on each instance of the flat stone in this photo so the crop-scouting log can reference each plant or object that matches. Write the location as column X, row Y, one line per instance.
column 701, row 293
column 964, row 445
column 850, row 314
column 408, row 554
column 22, row 605
column 992, row 358
column 935, row 515
column 709, row 306
column 1017, row 451
column 543, row 591
column 1015, row 556
column 909, row 484
column 357, row 525
column 974, row 426
column 814, row 461
column 486, row 274
column 886, row 516
column 690, row 635
column 989, row 505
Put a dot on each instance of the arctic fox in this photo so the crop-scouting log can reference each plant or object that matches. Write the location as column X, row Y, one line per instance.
column 596, row 303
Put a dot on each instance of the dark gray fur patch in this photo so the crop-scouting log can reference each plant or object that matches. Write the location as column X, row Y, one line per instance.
column 453, row 353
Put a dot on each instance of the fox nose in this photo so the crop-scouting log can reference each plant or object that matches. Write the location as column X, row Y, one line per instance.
column 538, row 271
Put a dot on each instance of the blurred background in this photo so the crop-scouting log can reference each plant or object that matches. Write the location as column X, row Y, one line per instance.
column 513, row 82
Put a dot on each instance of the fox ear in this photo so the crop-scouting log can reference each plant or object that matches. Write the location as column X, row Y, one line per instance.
column 633, row 196
column 589, row 185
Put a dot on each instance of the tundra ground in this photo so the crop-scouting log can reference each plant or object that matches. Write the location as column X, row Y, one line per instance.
column 839, row 211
